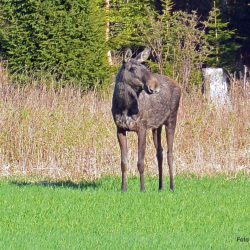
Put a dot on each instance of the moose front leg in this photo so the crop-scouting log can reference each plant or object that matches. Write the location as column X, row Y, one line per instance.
column 141, row 154
column 122, row 139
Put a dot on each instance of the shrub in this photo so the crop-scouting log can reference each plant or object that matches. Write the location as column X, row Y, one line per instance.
column 178, row 43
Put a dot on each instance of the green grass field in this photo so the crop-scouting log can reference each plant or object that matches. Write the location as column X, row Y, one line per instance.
column 201, row 214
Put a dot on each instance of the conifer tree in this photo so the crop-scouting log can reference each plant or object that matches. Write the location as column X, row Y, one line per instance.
column 222, row 40
column 124, row 19
column 64, row 38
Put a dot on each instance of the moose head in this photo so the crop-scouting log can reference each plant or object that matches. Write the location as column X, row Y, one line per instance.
column 137, row 75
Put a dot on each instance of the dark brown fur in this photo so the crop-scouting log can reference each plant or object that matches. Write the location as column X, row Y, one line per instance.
column 145, row 101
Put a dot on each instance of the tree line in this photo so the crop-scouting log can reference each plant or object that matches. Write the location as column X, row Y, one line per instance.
column 70, row 40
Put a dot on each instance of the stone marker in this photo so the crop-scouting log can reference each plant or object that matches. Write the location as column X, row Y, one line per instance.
column 215, row 86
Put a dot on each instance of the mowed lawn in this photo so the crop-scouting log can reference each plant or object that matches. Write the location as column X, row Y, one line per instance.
column 202, row 213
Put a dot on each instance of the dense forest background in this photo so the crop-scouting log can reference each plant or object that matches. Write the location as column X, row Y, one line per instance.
column 236, row 12
column 81, row 41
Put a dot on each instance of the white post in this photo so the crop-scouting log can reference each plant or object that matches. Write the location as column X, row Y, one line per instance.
column 215, row 86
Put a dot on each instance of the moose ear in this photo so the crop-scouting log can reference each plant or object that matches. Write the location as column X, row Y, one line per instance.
column 127, row 55
column 144, row 55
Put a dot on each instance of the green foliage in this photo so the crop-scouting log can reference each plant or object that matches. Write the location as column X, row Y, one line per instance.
column 222, row 41
column 201, row 213
column 124, row 19
column 177, row 41
column 66, row 38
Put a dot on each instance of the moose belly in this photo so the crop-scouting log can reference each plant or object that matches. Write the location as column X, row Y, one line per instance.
column 154, row 119
column 154, row 110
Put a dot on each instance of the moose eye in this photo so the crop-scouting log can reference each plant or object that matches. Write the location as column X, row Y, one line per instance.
column 133, row 69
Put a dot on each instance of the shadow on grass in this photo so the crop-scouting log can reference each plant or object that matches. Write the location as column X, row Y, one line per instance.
column 59, row 184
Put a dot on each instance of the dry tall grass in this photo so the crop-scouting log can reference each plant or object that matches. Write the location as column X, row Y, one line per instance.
column 65, row 134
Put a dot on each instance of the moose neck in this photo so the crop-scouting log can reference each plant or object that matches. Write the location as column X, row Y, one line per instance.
column 125, row 96
column 130, row 96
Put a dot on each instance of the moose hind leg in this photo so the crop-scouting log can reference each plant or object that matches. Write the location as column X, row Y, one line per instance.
column 159, row 156
column 141, row 154
column 122, row 139
column 170, row 130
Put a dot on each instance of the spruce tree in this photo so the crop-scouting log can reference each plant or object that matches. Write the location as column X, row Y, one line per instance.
column 222, row 41
column 65, row 38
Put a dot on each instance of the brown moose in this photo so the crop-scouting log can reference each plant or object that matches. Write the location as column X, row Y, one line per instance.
column 143, row 100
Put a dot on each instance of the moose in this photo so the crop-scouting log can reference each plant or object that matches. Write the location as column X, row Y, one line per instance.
column 144, row 100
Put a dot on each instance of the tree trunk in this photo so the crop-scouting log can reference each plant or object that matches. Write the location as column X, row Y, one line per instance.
column 107, row 6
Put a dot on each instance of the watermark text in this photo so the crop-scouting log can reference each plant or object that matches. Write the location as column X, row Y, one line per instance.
column 243, row 239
